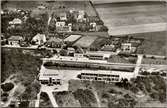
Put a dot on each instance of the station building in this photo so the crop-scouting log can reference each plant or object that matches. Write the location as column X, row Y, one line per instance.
column 106, row 76
column 50, row 77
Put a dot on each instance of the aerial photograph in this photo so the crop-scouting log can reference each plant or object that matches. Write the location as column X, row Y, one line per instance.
column 83, row 53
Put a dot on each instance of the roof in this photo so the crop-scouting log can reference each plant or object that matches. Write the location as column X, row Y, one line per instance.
column 39, row 37
column 109, row 72
column 16, row 21
column 15, row 38
column 54, row 39
column 72, row 38
column 45, row 74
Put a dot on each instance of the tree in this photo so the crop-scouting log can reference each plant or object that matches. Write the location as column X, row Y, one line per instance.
column 7, row 87
column 103, row 29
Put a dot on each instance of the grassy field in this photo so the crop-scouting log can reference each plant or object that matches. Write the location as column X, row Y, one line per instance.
column 154, row 43
column 122, row 14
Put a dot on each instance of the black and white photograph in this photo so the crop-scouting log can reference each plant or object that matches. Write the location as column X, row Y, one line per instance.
column 83, row 53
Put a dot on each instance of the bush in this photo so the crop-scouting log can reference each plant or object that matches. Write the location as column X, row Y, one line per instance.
column 105, row 95
column 85, row 97
column 4, row 97
column 44, row 96
column 48, row 64
column 7, row 87
column 103, row 29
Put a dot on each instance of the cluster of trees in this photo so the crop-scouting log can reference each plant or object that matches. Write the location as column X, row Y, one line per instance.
column 25, row 66
column 7, row 87
column 28, row 28
column 85, row 97
column 145, row 84
column 15, row 62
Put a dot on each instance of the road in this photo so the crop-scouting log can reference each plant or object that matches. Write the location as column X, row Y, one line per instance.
column 130, row 18
column 119, row 1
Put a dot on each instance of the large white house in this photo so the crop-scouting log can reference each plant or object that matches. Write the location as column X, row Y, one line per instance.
column 15, row 21
column 39, row 39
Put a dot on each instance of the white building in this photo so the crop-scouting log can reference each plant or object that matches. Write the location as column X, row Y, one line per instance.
column 60, row 24
column 105, row 75
column 39, row 39
column 63, row 16
column 15, row 21
column 126, row 47
column 49, row 76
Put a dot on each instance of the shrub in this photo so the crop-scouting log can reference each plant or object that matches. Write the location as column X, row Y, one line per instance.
column 85, row 97
column 44, row 96
column 7, row 87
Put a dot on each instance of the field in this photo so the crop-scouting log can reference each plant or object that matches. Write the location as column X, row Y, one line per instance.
column 129, row 14
column 154, row 43
column 86, row 41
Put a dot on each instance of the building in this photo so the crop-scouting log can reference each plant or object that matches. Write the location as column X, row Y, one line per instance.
column 78, row 55
column 39, row 39
column 98, row 55
column 49, row 76
column 60, row 24
column 93, row 26
column 62, row 27
column 15, row 21
column 54, row 42
column 70, row 51
column 128, row 47
column 105, row 76
column 63, row 16
column 109, row 47
column 15, row 40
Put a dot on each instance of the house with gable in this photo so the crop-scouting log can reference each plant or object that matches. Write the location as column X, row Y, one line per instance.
column 39, row 39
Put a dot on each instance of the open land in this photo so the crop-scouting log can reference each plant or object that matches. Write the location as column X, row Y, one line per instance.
column 130, row 18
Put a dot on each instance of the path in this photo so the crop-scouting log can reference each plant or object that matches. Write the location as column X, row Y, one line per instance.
column 52, row 99
column 38, row 100
column 138, row 63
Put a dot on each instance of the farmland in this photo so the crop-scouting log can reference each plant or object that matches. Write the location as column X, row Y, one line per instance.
column 116, row 15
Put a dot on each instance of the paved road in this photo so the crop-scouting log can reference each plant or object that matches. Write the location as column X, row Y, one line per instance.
column 129, row 18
